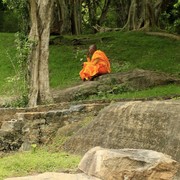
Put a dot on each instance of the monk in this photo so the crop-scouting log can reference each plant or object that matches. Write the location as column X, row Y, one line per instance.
column 97, row 65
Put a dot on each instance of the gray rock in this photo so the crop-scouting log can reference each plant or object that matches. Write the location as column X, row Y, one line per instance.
column 139, row 125
column 127, row 164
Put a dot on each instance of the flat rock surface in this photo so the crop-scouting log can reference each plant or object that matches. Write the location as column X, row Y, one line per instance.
column 55, row 176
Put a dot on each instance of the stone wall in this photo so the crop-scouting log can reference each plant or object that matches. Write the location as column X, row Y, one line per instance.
column 32, row 126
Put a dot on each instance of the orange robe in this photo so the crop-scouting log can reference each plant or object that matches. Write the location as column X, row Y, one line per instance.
column 97, row 65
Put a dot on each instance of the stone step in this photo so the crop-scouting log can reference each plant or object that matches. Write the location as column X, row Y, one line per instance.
column 38, row 127
column 9, row 113
column 56, row 113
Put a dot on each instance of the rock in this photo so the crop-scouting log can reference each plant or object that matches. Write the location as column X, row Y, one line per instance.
column 139, row 125
column 55, row 176
column 148, row 125
column 137, row 79
column 126, row 164
column 9, row 141
column 12, row 125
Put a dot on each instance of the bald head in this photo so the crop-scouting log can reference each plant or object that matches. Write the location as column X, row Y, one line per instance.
column 92, row 49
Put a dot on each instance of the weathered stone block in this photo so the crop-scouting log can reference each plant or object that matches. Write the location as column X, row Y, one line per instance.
column 127, row 164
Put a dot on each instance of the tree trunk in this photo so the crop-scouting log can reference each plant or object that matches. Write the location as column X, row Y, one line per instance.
column 61, row 18
column 67, row 17
column 92, row 9
column 122, row 8
column 76, row 19
column 104, row 12
column 40, row 15
column 143, row 15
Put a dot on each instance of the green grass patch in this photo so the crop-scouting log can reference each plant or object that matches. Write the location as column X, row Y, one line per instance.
column 7, row 60
column 156, row 92
column 26, row 163
column 142, row 51
column 126, row 50
column 64, row 65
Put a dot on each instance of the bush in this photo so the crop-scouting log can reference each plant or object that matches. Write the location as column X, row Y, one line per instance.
column 9, row 21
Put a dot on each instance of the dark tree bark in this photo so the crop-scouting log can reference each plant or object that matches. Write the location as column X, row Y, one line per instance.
column 104, row 12
column 93, row 6
column 76, row 19
column 122, row 9
column 67, row 17
column 143, row 15
column 92, row 9
column 61, row 20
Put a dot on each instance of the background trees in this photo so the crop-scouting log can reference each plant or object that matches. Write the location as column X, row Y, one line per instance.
column 143, row 15
column 80, row 16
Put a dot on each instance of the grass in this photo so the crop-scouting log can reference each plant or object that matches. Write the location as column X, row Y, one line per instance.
column 7, row 60
column 126, row 50
column 26, row 163
column 64, row 66
column 159, row 92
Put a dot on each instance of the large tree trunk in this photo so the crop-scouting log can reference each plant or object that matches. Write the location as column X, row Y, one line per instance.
column 143, row 14
column 40, row 15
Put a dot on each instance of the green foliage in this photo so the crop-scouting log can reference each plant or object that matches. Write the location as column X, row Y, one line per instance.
column 20, row 8
column 170, row 18
column 21, row 101
column 24, row 163
column 14, row 68
column 7, row 63
column 23, row 47
column 15, row 4
column 9, row 21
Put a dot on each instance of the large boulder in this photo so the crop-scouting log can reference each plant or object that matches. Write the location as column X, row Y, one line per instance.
column 122, row 164
column 137, row 79
column 140, row 125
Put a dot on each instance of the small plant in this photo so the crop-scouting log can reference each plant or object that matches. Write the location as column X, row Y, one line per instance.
column 33, row 148
column 120, row 66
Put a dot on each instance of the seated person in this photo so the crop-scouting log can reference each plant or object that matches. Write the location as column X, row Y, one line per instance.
column 98, row 64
